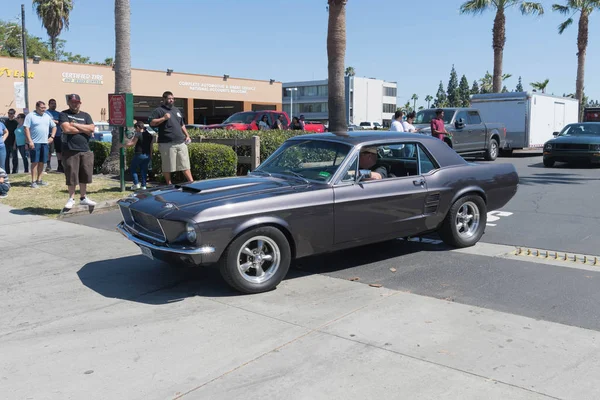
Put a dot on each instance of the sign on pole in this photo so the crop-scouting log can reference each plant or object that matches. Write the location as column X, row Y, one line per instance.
column 120, row 113
column 20, row 94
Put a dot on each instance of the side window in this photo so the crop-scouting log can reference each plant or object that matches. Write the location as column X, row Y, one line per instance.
column 350, row 173
column 400, row 159
column 474, row 118
column 426, row 164
column 463, row 115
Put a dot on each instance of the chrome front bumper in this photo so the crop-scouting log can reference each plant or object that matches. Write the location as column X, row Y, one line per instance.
column 175, row 250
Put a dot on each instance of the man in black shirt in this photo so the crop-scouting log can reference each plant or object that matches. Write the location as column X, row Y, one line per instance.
column 368, row 160
column 78, row 161
column 10, row 143
column 172, row 138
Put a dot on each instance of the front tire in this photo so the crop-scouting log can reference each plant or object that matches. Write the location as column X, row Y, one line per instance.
column 491, row 153
column 256, row 261
column 465, row 222
column 548, row 162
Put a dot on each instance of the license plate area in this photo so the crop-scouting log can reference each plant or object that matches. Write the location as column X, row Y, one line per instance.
column 147, row 252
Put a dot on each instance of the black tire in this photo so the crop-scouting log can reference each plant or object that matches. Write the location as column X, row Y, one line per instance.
column 275, row 244
column 450, row 233
column 548, row 162
column 506, row 153
column 491, row 153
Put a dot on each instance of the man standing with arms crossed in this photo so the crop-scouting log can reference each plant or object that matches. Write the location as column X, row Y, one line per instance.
column 172, row 138
column 37, row 125
column 78, row 160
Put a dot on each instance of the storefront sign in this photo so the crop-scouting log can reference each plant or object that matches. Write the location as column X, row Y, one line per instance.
column 15, row 73
column 217, row 87
column 90, row 79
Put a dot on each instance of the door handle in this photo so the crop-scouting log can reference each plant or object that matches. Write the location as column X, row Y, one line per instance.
column 419, row 182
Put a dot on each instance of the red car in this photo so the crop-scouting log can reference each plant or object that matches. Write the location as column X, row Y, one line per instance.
column 248, row 120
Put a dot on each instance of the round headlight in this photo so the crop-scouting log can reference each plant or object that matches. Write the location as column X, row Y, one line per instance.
column 191, row 233
column 548, row 146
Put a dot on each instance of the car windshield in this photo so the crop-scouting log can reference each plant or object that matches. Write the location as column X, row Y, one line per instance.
column 241, row 118
column 316, row 160
column 365, row 124
column 581, row 129
column 425, row 116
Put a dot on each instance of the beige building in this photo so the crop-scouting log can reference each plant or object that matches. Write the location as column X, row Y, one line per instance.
column 203, row 99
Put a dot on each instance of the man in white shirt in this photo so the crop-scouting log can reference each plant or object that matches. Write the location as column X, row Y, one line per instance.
column 397, row 122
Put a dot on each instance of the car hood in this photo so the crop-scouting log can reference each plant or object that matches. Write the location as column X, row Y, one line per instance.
column 579, row 139
column 195, row 196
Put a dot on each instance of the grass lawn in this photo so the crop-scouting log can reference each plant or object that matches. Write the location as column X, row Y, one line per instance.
column 50, row 200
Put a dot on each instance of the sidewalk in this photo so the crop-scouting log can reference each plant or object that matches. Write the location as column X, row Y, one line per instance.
column 86, row 316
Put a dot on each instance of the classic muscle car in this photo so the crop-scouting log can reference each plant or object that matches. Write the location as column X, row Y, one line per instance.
column 312, row 196
column 575, row 143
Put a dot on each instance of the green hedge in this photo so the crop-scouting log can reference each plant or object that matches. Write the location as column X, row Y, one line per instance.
column 101, row 151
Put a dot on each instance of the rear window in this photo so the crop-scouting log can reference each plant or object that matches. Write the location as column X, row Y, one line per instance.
column 365, row 124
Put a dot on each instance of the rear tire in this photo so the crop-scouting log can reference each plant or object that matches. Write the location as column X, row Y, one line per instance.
column 465, row 222
column 257, row 260
column 491, row 153
column 548, row 162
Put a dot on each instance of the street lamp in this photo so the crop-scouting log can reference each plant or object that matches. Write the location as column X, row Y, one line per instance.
column 291, row 90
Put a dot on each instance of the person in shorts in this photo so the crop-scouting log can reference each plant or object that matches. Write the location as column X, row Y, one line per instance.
column 172, row 138
column 78, row 160
column 37, row 125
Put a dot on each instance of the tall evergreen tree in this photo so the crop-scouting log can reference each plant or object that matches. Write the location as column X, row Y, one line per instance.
column 452, row 90
column 475, row 88
column 520, row 86
column 441, row 100
column 464, row 92
column 504, row 89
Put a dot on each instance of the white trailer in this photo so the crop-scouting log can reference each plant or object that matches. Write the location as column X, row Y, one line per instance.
column 530, row 118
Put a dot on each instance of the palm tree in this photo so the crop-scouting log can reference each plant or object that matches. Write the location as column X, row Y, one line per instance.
column 499, row 31
column 428, row 99
column 336, row 52
column 350, row 71
column 122, row 72
column 541, row 86
column 584, row 8
column 54, row 15
column 414, row 98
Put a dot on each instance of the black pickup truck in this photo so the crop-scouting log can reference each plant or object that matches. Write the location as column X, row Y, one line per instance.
column 468, row 134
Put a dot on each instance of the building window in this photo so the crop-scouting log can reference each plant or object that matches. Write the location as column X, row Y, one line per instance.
column 389, row 91
column 389, row 108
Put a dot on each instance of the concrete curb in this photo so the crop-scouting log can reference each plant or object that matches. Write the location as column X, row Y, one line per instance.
column 79, row 209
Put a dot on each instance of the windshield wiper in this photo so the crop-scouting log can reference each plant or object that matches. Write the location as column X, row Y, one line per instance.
column 261, row 172
column 297, row 175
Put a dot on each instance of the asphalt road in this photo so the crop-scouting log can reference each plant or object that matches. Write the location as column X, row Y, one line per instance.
column 554, row 209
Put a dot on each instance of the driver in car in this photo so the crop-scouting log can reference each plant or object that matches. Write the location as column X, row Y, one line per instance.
column 368, row 160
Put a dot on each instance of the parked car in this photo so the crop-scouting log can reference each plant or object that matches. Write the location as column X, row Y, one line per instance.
column 469, row 135
column 248, row 120
column 102, row 132
column 314, row 126
column 370, row 125
column 195, row 126
column 310, row 197
column 591, row 114
column 575, row 143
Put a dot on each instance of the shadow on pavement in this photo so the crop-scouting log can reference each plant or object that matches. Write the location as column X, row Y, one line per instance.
column 551, row 178
column 137, row 279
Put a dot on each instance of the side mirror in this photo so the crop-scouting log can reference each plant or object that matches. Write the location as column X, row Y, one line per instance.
column 555, row 133
column 460, row 123
column 363, row 174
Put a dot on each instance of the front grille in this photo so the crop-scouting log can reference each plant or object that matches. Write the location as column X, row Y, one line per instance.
column 571, row 146
column 147, row 224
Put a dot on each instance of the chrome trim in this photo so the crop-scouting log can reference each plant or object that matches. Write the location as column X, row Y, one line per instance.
column 140, row 242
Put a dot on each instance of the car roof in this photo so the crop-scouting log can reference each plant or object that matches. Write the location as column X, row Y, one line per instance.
column 358, row 137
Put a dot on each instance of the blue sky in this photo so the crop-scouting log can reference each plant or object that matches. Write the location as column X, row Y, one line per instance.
column 413, row 43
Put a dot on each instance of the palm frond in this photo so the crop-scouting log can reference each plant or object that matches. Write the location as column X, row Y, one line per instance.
column 475, row 6
column 564, row 10
column 530, row 8
column 564, row 25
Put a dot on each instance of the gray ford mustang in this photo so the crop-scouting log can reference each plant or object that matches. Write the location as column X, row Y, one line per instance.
column 318, row 193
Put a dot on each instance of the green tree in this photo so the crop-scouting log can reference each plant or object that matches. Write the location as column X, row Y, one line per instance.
column 487, row 84
column 475, row 88
column 336, row 52
column 452, row 90
column 464, row 92
column 441, row 100
column 349, row 71
column 10, row 43
column 54, row 15
column 476, row 7
column 407, row 108
column 414, row 98
column 504, row 89
column 584, row 8
column 541, row 86
column 428, row 99
column 520, row 86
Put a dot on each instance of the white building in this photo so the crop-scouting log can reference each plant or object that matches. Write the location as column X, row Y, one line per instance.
column 367, row 100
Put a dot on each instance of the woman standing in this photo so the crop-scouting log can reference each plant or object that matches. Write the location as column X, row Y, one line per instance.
column 20, row 141
column 3, row 136
column 143, row 151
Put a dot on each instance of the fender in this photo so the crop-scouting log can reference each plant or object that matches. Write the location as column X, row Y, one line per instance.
column 469, row 189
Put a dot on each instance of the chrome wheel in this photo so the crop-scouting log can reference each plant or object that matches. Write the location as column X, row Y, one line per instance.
column 467, row 220
column 494, row 149
column 258, row 259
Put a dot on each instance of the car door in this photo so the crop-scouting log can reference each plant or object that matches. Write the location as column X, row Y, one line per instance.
column 478, row 138
column 383, row 208
column 460, row 135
